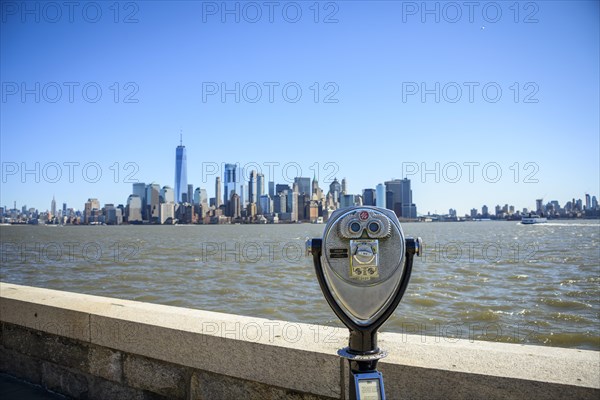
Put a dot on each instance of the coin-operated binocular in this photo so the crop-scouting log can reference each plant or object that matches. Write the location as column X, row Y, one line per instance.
column 363, row 264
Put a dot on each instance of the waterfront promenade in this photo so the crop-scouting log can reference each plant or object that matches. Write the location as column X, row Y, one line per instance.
column 96, row 347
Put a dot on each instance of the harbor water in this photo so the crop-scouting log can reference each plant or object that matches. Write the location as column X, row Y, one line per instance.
column 488, row 280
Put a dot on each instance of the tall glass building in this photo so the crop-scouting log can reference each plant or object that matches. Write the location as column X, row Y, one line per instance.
column 260, row 184
column 190, row 193
column 380, row 196
column 180, row 172
column 401, row 198
column 231, row 180
column 196, row 198
column 303, row 185
column 252, row 187
column 152, row 201
column 369, row 197
column 271, row 189
column 139, row 189
column 218, row 192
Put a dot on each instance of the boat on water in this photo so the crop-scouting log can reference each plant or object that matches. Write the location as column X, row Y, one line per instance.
column 533, row 219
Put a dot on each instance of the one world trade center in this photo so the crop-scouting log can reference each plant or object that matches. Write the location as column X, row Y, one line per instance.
column 180, row 172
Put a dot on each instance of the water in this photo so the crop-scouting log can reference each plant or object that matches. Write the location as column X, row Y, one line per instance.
column 496, row 281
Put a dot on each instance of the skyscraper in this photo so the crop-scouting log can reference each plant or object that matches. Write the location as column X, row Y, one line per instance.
column 292, row 203
column 346, row 200
column 266, row 204
column 282, row 187
column 335, row 189
column 218, row 192
column 485, row 211
column 389, row 200
column 588, row 201
column 110, row 213
column 260, row 184
column 230, row 181
column 271, row 189
column 252, row 187
column 539, row 205
column 303, row 185
column 166, row 213
column 180, row 171
column 134, row 209
column 139, row 189
column 53, row 207
column 369, row 197
column 190, row 193
column 152, row 202
column 279, row 203
column 235, row 208
column 380, row 196
column 401, row 199
column 91, row 210
column 243, row 193
column 196, row 196
column 166, row 195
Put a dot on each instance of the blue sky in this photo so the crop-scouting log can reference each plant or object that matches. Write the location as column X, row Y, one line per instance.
column 367, row 123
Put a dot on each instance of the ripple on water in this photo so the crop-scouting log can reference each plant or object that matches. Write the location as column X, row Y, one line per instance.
column 420, row 301
column 587, row 339
column 445, row 284
column 468, row 271
column 560, row 303
column 469, row 288
column 480, row 316
column 444, row 296
column 224, row 291
column 585, row 294
column 148, row 298
column 518, row 277
column 570, row 318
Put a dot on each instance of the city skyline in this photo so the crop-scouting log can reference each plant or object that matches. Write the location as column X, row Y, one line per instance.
column 578, row 200
column 253, row 187
column 495, row 113
column 394, row 194
column 575, row 208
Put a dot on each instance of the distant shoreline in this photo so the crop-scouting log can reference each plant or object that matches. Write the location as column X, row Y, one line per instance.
column 300, row 223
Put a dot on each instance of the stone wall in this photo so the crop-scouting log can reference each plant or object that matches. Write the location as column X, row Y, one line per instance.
column 94, row 347
column 87, row 371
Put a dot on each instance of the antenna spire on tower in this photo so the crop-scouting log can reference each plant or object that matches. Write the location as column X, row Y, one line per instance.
column 180, row 138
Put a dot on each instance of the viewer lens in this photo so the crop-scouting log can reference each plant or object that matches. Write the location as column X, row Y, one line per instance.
column 374, row 227
column 355, row 227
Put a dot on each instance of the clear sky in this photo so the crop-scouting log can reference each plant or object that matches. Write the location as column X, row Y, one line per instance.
column 501, row 99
